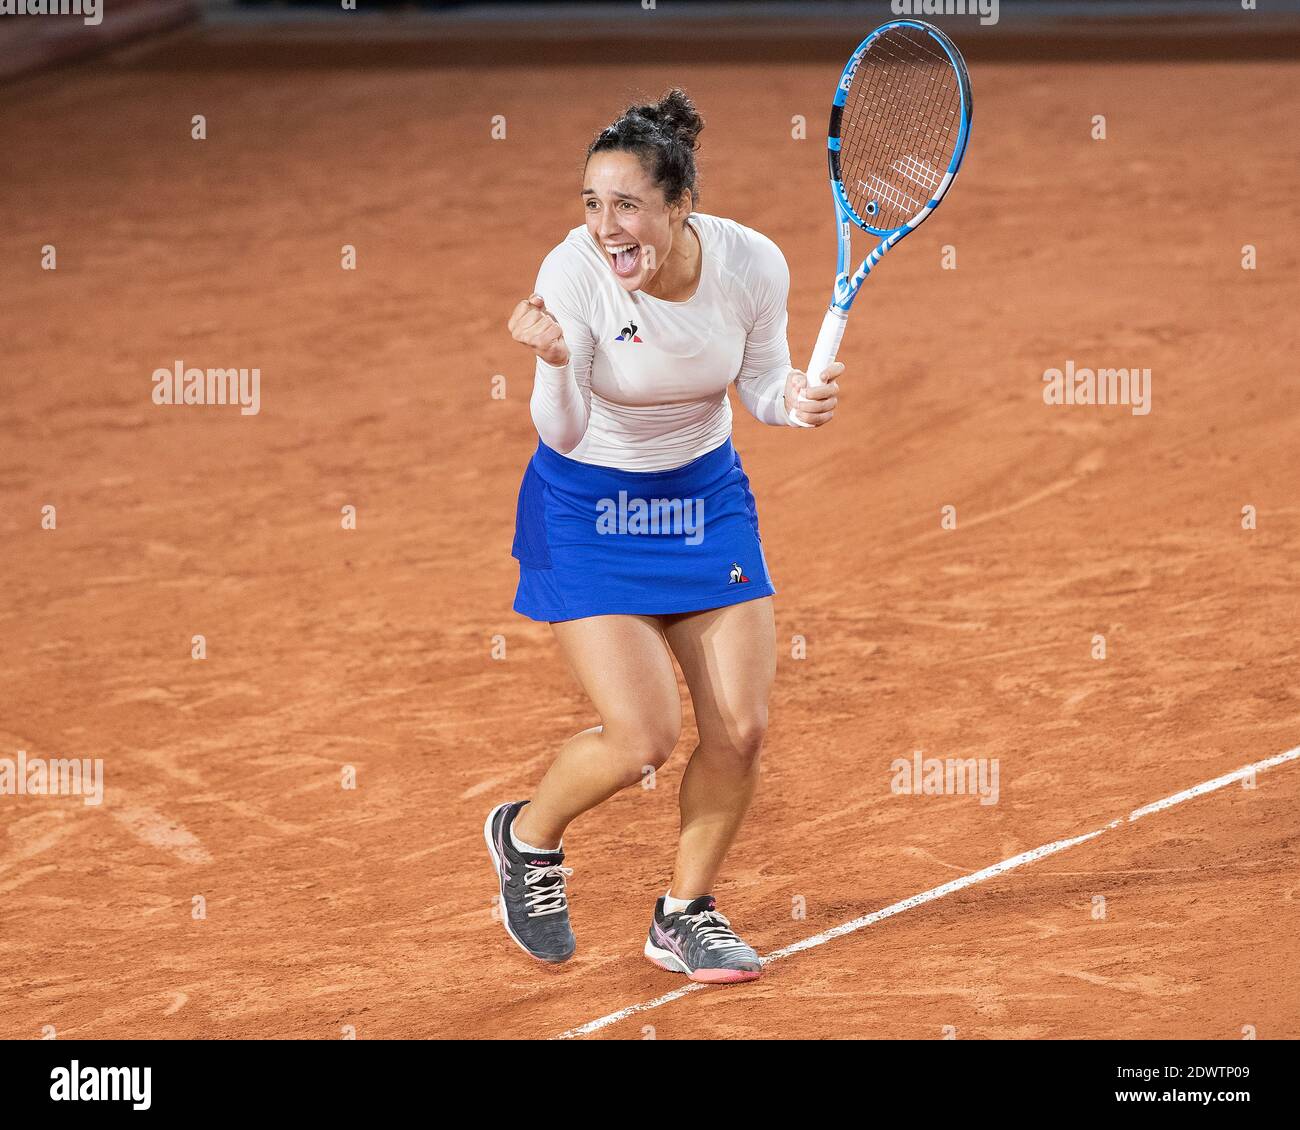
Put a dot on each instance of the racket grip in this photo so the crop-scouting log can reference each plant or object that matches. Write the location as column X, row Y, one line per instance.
column 824, row 352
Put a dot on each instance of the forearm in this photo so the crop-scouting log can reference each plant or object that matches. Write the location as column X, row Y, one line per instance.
column 559, row 412
column 764, row 396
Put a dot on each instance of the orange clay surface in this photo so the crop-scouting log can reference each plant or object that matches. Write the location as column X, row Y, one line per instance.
column 373, row 648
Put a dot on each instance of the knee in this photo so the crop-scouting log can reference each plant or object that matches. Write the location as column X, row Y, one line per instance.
column 742, row 740
column 644, row 743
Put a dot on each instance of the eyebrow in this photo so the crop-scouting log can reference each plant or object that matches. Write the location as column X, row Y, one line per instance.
column 620, row 195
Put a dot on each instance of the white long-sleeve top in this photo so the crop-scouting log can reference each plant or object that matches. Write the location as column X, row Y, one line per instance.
column 645, row 388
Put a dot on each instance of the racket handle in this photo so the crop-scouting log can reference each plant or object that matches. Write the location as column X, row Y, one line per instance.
column 824, row 352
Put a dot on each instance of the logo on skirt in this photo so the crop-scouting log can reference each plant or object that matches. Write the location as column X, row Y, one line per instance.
column 737, row 576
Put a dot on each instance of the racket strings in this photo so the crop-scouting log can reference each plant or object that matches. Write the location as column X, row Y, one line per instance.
column 902, row 119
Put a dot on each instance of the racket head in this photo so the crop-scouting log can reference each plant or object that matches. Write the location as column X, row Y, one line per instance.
column 899, row 126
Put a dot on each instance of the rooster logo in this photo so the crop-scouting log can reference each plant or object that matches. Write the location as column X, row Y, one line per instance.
column 737, row 576
column 628, row 333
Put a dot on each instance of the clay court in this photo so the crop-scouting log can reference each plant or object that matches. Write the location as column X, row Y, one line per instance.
column 381, row 647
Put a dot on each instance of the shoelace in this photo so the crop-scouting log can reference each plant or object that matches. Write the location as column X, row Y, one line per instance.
column 548, row 899
column 714, row 930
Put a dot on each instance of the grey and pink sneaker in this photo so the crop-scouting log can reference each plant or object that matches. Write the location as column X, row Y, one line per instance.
column 700, row 942
column 534, row 906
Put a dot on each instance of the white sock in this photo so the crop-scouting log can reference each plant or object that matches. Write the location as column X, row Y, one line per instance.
column 674, row 906
column 521, row 846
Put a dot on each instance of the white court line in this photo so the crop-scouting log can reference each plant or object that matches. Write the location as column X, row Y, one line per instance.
column 948, row 888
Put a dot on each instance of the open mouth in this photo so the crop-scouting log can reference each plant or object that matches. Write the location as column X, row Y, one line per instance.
column 626, row 258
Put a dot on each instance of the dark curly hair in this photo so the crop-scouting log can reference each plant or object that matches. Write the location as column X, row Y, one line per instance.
column 663, row 135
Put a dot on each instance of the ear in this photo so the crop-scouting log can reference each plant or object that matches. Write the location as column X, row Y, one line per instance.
column 678, row 212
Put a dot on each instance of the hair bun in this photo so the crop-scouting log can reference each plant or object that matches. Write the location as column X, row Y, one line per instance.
column 676, row 113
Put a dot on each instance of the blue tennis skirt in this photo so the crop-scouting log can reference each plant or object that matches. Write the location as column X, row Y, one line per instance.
column 595, row 541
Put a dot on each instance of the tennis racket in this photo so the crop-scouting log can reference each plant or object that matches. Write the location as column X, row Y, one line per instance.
column 898, row 130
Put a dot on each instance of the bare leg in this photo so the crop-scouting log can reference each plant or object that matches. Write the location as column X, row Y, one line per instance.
column 624, row 666
column 728, row 656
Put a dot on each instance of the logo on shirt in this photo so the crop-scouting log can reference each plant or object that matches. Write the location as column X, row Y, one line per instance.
column 737, row 576
column 628, row 333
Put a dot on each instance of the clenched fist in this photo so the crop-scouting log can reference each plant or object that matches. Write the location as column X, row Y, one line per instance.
column 532, row 325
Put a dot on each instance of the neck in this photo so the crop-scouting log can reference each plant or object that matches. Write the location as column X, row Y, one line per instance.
column 679, row 277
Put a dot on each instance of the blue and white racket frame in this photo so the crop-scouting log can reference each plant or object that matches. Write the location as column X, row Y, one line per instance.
column 847, row 285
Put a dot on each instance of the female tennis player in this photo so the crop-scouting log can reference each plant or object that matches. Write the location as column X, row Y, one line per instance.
column 636, row 532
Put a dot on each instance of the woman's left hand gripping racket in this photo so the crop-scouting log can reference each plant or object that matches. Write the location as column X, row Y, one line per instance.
column 898, row 131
